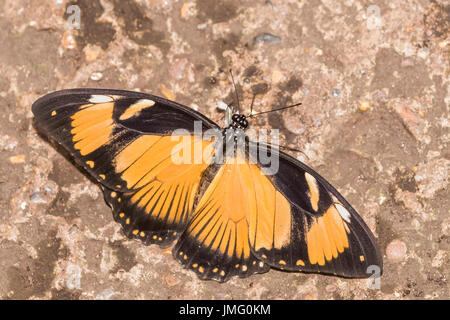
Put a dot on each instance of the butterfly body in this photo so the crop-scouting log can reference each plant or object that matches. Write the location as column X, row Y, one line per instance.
column 166, row 180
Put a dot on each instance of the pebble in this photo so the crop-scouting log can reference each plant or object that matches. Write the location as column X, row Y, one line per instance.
column 8, row 143
column 96, row 76
column 46, row 194
column 330, row 288
column 305, row 90
column 187, row 10
column 221, row 105
column 68, row 41
column 91, row 53
column 266, row 37
column 277, row 76
column 17, row 159
column 293, row 124
column 364, row 106
column 336, row 92
column 37, row 198
column 396, row 251
column 171, row 281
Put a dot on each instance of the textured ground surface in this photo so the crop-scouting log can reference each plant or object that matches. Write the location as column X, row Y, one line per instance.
column 374, row 122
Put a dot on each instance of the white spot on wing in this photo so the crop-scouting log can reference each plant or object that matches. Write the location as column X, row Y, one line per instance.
column 343, row 212
column 96, row 98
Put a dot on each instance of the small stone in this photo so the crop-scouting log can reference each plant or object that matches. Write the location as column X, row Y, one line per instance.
column 96, row 76
column 221, row 105
column 318, row 123
column 305, row 90
column 364, row 106
column 293, row 124
column 267, row 38
column 336, row 92
column 51, row 188
column 277, row 76
column 91, row 53
column 171, row 281
column 330, row 288
column 443, row 44
column 396, row 251
column 188, row 10
column 8, row 143
column 37, row 198
column 17, row 159
column 105, row 294
column 68, row 41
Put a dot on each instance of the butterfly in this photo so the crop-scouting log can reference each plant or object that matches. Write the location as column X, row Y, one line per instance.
column 228, row 217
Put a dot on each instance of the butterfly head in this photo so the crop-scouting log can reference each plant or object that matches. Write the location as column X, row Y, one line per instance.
column 239, row 121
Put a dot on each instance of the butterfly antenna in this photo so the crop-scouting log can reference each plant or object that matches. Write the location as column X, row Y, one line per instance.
column 251, row 106
column 283, row 108
column 235, row 91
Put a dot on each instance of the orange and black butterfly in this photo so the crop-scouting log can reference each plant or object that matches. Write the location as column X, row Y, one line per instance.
column 228, row 218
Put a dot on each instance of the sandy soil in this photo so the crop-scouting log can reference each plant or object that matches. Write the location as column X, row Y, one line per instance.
column 374, row 83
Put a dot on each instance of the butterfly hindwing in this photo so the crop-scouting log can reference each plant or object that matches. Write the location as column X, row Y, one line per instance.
column 215, row 243
column 293, row 220
column 123, row 139
column 322, row 232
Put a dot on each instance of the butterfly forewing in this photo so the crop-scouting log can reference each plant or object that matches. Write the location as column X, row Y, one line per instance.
column 123, row 140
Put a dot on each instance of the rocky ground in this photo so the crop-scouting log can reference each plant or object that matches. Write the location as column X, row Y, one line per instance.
column 374, row 83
